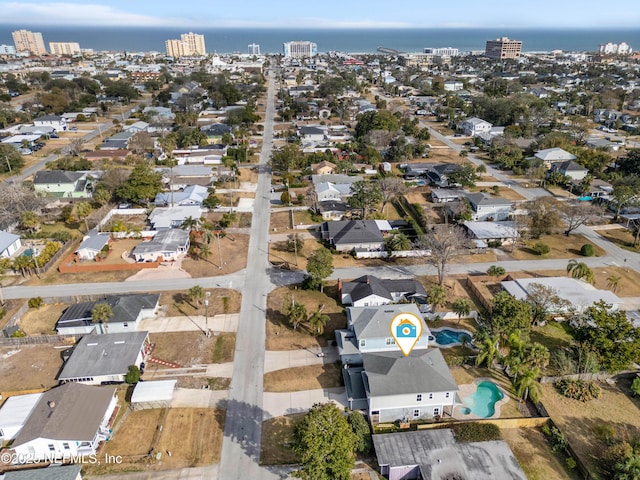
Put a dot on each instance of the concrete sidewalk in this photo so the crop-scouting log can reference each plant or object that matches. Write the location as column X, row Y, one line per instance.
column 279, row 404
column 278, row 360
column 217, row 323
column 198, row 398
column 193, row 473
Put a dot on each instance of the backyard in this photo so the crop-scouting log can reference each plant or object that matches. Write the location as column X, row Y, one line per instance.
column 41, row 321
column 27, row 367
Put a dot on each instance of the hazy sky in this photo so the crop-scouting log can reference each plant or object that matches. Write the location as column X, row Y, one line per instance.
column 325, row 13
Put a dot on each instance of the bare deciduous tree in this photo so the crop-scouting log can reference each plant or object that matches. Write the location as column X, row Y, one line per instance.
column 391, row 188
column 576, row 214
column 443, row 241
column 14, row 201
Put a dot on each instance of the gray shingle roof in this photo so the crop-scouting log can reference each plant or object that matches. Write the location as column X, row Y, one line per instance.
column 94, row 241
column 484, row 199
column 7, row 239
column 54, row 472
column 44, row 177
column 125, row 308
column 374, row 322
column 76, row 415
column 164, row 241
column 354, row 231
column 108, row 354
column 394, row 374
column 369, row 285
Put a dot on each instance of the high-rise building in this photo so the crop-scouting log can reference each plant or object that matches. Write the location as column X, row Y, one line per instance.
column 502, row 48
column 254, row 49
column 64, row 48
column 189, row 44
column 300, row 49
column 29, row 42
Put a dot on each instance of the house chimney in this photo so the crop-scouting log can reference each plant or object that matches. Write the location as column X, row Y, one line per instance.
column 368, row 280
column 51, row 404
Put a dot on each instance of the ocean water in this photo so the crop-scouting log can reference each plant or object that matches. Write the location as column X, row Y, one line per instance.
column 354, row 41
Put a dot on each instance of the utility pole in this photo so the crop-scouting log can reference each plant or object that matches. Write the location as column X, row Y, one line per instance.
column 206, row 313
column 219, row 250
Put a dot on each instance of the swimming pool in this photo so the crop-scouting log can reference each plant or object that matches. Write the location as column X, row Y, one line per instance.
column 28, row 253
column 449, row 337
column 482, row 402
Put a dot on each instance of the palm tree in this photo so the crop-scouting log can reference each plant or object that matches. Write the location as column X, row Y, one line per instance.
column 207, row 235
column 23, row 263
column 296, row 314
column 29, row 221
column 204, row 251
column 398, row 242
column 496, row 271
column 83, row 209
column 635, row 387
column 613, row 282
column 488, row 346
column 527, row 384
column 190, row 223
column 437, row 295
column 101, row 313
column 196, row 294
column 461, row 307
column 628, row 468
column 318, row 320
column 537, row 355
column 580, row 270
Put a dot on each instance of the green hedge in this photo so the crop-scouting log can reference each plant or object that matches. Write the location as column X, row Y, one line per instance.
column 476, row 432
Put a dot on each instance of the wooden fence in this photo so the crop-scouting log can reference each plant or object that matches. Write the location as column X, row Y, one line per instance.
column 37, row 340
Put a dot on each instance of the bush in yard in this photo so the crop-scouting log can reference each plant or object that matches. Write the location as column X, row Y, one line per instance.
column 133, row 375
column 541, row 248
column 476, row 432
column 578, row 389
column 360, row 427
column 35, row 302
column 587, row 250
column 556, row 438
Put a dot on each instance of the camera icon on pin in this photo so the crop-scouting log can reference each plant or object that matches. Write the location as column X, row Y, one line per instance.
column 406, row 329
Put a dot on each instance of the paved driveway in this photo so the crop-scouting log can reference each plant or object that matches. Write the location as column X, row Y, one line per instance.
column 198, row 398
column 217, row 323
column 299, row 358
column 279, row 404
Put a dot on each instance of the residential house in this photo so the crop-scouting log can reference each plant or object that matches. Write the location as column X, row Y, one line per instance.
column 475, row 126
column 323, row 168
column 62, row 183
column 570, row 169
column 43, row 131
column 311, row 134
column 368, row 330
column 167, row 245
column 401, row 388
column 14, row 413
column 332, row 191
column 92, row 244
column 119, row 154
column 136, row 127
column 118, row 141
column 164, row 218
column 578, row 295
column 453, row 86
column 57, row 122
column 447, row 195
column 604, row 144
column 9, row 244
column 332, row 210
column 216, row 130
column 488, row 208
column 348, row 235
column 371, row 291
column 335, row 178
column 503, row 232
column 52, row 472
column 102, row 359
column 434, row 454
column 128, row 311
column 69, row 420
column 550, row 156
column 191, row 195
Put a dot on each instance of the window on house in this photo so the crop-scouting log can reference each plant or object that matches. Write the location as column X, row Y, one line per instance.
column 125, row 324
column 430, row 396
column 375, row 412
column 390, row 341
column 446, row 395
column 66, row 446
column 419, row 397
column 436, row 411
column 363, row 343
column 52, row 448
column 416, row 413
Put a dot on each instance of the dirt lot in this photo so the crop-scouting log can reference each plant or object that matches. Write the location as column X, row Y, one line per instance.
column 29, row 366
column 116, row 249
column 176, row 303
column 233, row 247
column 456, row 287
column 192, row 435
column 629, row 285
column 188, row 348
column 503, row 192
column 621, row 237
column 311, row 377
column 43, row 320
column 534, row 454
column 280, row 335
column 580, row 422
column 243, row 219
column 281, row 221
column 561, row 247
column 277, row 436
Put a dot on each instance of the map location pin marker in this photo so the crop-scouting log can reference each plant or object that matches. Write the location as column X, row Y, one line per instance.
column 406, row 329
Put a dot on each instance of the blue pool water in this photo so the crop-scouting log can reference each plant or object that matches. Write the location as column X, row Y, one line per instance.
column 451, row 337
column 28, row 253
column 483, row 402
column 585, row 199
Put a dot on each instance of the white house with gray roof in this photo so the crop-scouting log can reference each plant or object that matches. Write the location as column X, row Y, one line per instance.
column 164, row 218
column 397, row 387
column 368, row 291
column 92, row 244
column 550, row 156
column 9, row 244
column 488, row 208
column 98, row 359
column 368, row 330
column 167, row 245
column 68, row 420
column 191, row 195
column 475, row 126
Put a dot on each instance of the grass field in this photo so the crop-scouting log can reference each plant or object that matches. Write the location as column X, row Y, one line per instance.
column 277, row 437
column 41, row 321
column 561, row 246
column 621, row 237
column 190, row 348
column 29, row 366
column 176, row 303
column 311, row 377
column 233, row 252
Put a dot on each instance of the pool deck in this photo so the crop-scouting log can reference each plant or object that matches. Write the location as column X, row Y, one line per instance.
column 469, row 389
